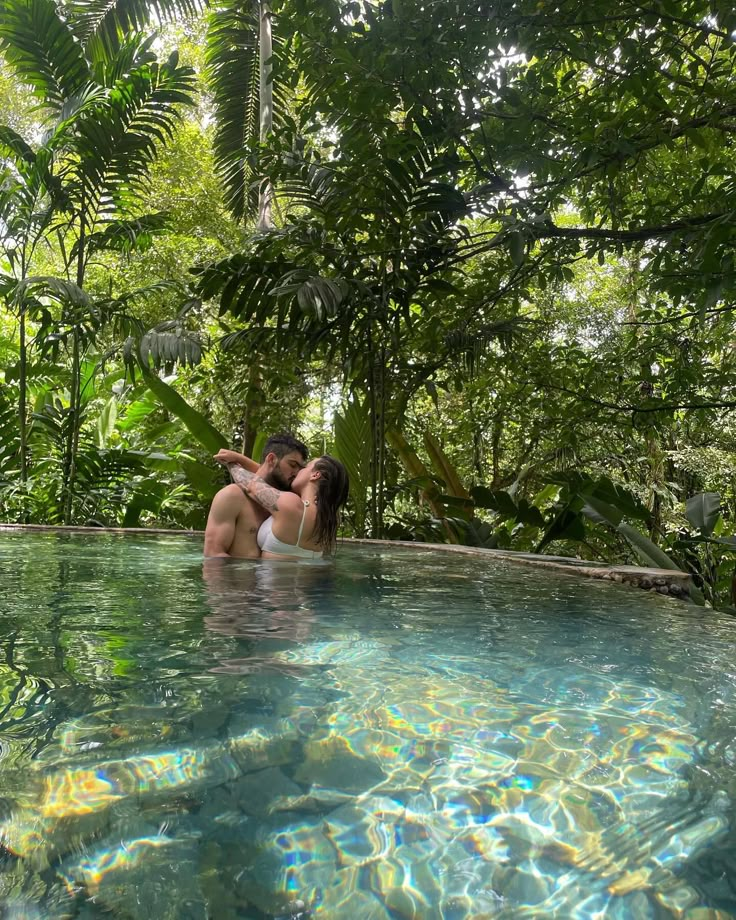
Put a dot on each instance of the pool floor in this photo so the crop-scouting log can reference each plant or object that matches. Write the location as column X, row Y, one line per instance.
column 401, row 735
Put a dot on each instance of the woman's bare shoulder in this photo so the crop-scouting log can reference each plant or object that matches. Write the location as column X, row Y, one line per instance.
column 290, row 501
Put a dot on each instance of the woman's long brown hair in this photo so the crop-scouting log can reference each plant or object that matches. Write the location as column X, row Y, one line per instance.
column 333, row 486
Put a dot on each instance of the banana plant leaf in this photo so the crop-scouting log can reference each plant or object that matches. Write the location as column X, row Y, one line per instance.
column 568, row 524
column 444, row 468
column 353, row 448
column 106, row 421
column 417, row 470
column 601, row 512
column 651, row 554
column 147, row 497
column 702, row 511
column 198, row 426
column 206, row 480
column 646, row 550
column 494, row 500
column 259, row 445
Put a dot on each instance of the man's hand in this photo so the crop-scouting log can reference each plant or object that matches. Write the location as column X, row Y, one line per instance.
column 225, row 456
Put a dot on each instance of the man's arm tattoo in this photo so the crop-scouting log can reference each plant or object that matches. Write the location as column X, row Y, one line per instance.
column 240, row 476
column 258, row 489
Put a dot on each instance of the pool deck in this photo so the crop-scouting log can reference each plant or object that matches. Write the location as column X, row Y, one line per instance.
column 668, row 582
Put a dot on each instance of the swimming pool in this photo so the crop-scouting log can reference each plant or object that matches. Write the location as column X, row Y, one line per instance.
column 407, row 734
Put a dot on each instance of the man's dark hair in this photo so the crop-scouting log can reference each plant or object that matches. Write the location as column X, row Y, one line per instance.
column 283, row 444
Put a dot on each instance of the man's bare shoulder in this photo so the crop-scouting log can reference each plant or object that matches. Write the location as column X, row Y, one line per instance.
column 228, row 503
column 231, row 493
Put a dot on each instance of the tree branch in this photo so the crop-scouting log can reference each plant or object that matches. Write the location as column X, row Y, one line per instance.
column 665, row 407
column 680, row 317
column 696, row 26
column 629, row 236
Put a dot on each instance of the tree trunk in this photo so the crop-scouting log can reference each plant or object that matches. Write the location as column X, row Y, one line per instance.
column 265, row 52
column 70, row 449
column 70, row 461
column 380, row 386
column 417, row 470
column 496, row 448
column 249, row 435
column 373, row 415
column 477, row 459
column 656, row 471
column 252, row 410
column 22, row 399
column 446, row 471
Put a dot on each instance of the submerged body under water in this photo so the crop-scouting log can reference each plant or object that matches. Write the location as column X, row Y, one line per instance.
column 404, row 734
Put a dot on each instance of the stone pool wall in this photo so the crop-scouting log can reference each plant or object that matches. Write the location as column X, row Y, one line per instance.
column 671, row 583
column 663, row 581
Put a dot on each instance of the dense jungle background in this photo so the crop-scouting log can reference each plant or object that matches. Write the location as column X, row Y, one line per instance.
column 483, row 251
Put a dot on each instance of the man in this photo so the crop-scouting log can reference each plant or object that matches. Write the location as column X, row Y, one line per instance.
column 234, row 518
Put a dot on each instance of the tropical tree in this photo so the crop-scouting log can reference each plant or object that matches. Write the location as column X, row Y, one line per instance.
column 240, row 58
column 27, row 195
column 499, row 237
column 106, row 106
column 421, row 143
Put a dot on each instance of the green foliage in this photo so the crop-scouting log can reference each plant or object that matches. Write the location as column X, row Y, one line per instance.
column 648, row 552
column 196, row 424
column 9, row 434
column 352, row 447
column 702, row 510
column 552, row 331
column 233, row 64
column 579, row 497
column 107, row 105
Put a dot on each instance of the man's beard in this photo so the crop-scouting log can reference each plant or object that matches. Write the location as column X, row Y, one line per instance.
column 277, row 481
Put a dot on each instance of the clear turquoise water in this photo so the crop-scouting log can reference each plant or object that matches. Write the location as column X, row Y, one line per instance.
column 403, row 735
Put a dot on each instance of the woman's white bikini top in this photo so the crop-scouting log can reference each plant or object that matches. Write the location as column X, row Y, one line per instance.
column 269, row 543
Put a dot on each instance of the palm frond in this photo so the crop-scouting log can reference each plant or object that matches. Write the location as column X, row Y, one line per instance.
column 244, row 283
column 314, row 295
column 309, row 185
column 14, row 148
column 58, row 289
column 29, row 191
column 42, row 50
column 167, row 349
column 133, row 51
column 118, row 138
column 9, row 430
column 74, row 105
column 470, row 344
column 102, row 25
column 254, row 340
column 126, row 235
column 353, row 447
column 232, row 58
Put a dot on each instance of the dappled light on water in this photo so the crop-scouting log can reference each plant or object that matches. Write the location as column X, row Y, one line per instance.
column 384, row 739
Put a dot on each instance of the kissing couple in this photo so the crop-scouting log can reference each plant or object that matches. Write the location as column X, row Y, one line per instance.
column 286, row 507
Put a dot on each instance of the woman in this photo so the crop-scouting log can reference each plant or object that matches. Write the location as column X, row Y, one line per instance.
column 303, row 522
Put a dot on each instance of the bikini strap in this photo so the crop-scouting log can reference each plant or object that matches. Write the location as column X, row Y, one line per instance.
column 301, row 526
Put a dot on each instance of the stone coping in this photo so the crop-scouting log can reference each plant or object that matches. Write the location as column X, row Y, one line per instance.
column 676, row 584
column 664, row 581
column 78, row 528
